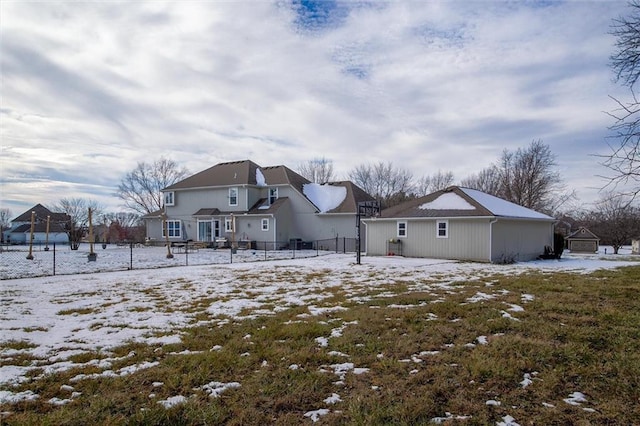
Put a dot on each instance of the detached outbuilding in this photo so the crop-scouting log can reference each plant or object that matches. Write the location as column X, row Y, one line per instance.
column 582, row 241
column 463, row 224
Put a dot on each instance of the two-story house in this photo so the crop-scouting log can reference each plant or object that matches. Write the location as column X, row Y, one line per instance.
column 241, row 201
column 55, row 232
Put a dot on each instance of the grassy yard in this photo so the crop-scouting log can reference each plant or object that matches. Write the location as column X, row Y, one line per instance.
column 538, row 348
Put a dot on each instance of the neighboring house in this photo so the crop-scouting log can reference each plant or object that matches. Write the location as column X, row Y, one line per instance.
column 20, row 230
column 582, row 241
column 240, row 201
column 460, row 223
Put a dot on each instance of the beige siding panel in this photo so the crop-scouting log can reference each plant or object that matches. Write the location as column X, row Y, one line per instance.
column 520, row 240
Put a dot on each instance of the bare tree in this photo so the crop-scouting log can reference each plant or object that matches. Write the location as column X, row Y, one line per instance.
column 526, row 177
column 5, row 220
column 487, row 180
column 384, row 182
column 140, row 188
column 623, row 160
column 318, row 170
column 615, row 220
column 434, row 182
column 78, row 211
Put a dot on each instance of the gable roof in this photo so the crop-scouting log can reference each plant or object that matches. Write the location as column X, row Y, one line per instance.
column 282, row 175
column 582, row 233
column 41, row 213
column 461, row 202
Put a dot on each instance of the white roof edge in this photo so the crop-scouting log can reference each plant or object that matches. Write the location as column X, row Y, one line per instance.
column 503, row 208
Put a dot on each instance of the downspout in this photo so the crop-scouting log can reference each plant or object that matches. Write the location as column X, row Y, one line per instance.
column 275, row 233
column 494, row 220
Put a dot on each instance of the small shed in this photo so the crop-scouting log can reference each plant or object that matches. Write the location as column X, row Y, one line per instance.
column 635, row 246
column 582, row 241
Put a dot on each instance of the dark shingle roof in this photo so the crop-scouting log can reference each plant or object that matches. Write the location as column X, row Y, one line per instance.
column 222, row 174
column 261, row 207
column 41, row 215
column 354, row 195
column 282, row 175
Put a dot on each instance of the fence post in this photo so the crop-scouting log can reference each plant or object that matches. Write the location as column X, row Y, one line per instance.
column 337, row 251
column 265, row 250
column 54, row 258
column 186, row 253
column 131, row 256
column 231, row 254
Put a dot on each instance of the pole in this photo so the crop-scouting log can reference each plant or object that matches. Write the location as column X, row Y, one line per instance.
column 46, row 238
column 33, row 222
column 92, row 255
column 166, row 236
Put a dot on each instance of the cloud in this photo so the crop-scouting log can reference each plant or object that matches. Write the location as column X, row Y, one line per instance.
column 90, row 89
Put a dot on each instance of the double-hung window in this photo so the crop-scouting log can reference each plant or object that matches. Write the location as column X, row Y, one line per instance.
column 273, row 195
column 402, row 229
column 228, row 224
column 442, row 229
column 169, row 198
column 173, row 228
column 233, row 196
column 265, row 224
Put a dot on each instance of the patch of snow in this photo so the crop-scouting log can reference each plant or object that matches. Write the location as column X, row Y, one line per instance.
column 447, row 201
column 333, row 399
column 575, row 398
column 507, row 421
column 316, row 414
column 515, row 308
column 493, row 403
column 12, row 398
column 526, row 381
column 527, row 298
column 172, row 401
column 294, row 367
column 260, row 180
column 482, row 340
column 323, row 342
column 325, row 197
column 500, row 207
column 215, row 389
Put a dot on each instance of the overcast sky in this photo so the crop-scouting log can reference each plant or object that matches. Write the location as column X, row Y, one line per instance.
column 89, row 89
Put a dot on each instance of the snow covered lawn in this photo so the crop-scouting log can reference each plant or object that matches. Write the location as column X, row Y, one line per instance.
column 61, row 324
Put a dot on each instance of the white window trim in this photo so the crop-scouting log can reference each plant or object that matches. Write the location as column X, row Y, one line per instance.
column 275, row 197
column 228, row 224
column 237, row 195
column 399, row 235
column 178, row 229
column 169, row 198
column 446, row 229
column 265, row 224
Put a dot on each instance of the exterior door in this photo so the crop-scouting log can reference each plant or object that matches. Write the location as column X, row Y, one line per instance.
column 205, row 230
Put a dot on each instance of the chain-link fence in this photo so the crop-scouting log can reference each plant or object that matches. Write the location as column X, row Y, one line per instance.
column 23, row 261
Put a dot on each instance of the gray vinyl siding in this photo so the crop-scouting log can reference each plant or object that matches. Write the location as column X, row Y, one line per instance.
column 520, row 240
column 511, row 239
column 467, row 239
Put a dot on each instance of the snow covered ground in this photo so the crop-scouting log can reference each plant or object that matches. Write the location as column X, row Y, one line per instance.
column 65, row 315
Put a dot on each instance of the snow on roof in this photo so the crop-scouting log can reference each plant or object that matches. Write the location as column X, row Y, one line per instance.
column 260, row 180
column 325, row 197
column 447, row 201
column 500, row 207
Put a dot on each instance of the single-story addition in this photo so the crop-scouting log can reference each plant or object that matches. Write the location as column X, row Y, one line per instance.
column 582, row 241
column 245, row 203
column 20, row 230
column 460, row 223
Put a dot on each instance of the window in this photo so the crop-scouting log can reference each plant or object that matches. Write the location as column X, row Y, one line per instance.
column 442, row 229
column 228, row 224
column 402, row 229
column 273, row 195
column 168, row 198
column 265, row 224
column 173, row 228
column 233, row 196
